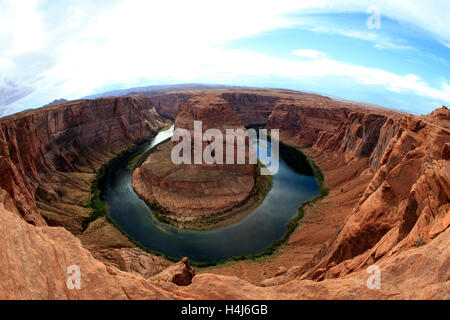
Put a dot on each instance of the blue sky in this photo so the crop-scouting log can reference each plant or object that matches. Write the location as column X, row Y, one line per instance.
column 71, row 49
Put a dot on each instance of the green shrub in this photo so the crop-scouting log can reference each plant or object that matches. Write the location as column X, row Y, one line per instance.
column 420, row 242
column 99, row 208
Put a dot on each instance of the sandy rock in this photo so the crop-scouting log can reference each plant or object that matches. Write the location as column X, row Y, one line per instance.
column 403, row 162
column 181, row 274
column 131, row 260
column 48, row 151
column 281, row 277
column 281, row 271
column 198, row 189
column 406, row 200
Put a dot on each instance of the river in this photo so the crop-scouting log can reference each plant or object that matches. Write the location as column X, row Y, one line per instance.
column 251, row 235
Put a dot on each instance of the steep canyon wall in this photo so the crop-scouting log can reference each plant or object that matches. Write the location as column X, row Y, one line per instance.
column 48, row 158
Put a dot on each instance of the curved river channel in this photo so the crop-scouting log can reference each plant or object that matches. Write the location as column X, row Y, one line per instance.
column 252, row 235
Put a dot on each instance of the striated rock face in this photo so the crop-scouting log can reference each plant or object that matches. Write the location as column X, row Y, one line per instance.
column 302, row 121
column 50, row 154
column 405, row 205
column 305, row 119
column 170, row 105
column 130, row 260
column 181, row 274
column 215, row 113
column 251, row 108
column 37, row 270
column 196, row 189
column 361, row 134
column 396, row 189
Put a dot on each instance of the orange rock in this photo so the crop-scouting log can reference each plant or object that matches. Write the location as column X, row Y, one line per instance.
column 193, row 190
column 181, row 274
column 37, row 145
column 409, row 191
column 407, row 199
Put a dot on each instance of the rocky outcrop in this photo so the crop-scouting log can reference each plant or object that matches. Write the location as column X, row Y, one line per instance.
column 169, row 105
column 101, row 234
column 130, row 260
column 45, row 254
column 405, row 205
column 251, row 108
column 48, row 156
column 180, row 273
column 301, row 121
column 56, row 102
column 197, row 189
column 418, row 273
column 34, row 264
column 361, row 134
column 390, row 172
column 282, row 276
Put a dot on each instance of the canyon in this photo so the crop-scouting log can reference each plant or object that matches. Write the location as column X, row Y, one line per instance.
column 191, row 191
column 388, row 176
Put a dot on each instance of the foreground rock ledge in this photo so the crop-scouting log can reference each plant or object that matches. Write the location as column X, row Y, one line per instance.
column 35, row 146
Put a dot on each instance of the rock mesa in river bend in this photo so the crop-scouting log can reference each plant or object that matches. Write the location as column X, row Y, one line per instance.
column 197, row 189
column 388, row 175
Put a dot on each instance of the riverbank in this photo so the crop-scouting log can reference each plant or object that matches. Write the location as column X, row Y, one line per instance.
column 270, row 252
column 203, row 222
column 341, row 186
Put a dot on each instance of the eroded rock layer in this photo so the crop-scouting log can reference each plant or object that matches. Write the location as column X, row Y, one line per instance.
column 50, row 157
column 388, row 176
column 50, row 151
column 197, row 189
column 405, row 205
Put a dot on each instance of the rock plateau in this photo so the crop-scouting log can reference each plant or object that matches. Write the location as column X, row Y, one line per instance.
column 190, row 190
column 387, row 173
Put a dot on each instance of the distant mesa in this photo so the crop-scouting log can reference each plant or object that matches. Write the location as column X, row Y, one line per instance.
column 56, row 102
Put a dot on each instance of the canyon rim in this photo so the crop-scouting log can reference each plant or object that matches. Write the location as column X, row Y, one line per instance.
column 388, row 171
column 221, row 155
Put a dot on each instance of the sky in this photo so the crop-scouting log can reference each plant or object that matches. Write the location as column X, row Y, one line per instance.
column 392, row 53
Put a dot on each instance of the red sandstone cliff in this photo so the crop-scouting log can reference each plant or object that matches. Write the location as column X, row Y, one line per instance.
column 405, row 205
column 37, row 147
column 400, row 222
column 169, row 105
column 197, row 189
column 34, row 260
column 253, row 108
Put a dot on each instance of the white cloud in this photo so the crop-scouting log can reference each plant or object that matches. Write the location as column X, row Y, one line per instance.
column 309, row 53
column 81, row 47
column 425, row 16
column 23, row 24
column 381, row 41
column 252, row 63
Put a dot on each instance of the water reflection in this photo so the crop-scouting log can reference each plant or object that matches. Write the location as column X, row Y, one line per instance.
column 252, row 235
